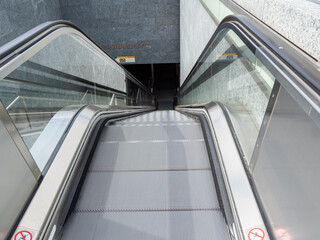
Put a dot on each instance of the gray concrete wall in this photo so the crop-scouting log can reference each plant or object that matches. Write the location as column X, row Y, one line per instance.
column 19, row 16
column 146, row 29
column 296, row 20
column 196, row 28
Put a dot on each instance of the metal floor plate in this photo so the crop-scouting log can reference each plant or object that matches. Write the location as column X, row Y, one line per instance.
column 150, row 178
column 158, row 117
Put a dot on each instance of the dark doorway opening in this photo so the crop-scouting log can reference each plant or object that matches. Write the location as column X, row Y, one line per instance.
column 161, row 79
column 142, row 72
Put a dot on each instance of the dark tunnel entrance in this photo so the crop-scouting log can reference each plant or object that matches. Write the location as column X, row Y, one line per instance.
column 161, row 79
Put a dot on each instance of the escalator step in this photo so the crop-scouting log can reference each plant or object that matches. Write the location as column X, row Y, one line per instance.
column 150, row 156
column 152, row 189
column 175, row 225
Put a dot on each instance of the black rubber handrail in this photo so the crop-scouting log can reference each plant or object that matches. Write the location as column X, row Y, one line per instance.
column 25, row 41
column 296, row 60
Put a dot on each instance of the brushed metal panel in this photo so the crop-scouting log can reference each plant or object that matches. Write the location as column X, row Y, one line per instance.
column 287, row 170
column 17, row 181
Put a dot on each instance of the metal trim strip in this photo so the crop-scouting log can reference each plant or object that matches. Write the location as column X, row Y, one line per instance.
column 243, row 203
column 14, row 133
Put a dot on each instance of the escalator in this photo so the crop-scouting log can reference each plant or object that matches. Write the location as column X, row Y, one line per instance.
column 89, row 157
column 150, row 178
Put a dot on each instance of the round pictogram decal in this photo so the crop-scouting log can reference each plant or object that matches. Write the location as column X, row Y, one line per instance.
column 23, row 235
column 256, row 234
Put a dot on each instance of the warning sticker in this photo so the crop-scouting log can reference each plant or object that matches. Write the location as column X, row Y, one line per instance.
column 282, row 234
column 126, row 59
column 256, row 234
column 23, row 235
column 227, row 56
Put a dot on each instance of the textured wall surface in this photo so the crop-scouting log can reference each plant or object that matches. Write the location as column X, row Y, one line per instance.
column 196, row 28
column 296, row 20
column 146, row 29
column 19, row 16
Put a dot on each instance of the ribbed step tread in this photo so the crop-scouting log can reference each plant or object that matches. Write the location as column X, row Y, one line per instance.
column 170, row 225
column 159, row 117
column 151, row 133
column 156, row 156
column 139, row 190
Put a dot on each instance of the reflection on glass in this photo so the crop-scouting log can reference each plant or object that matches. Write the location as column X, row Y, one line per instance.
column 63, row 76
column 231, row 74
